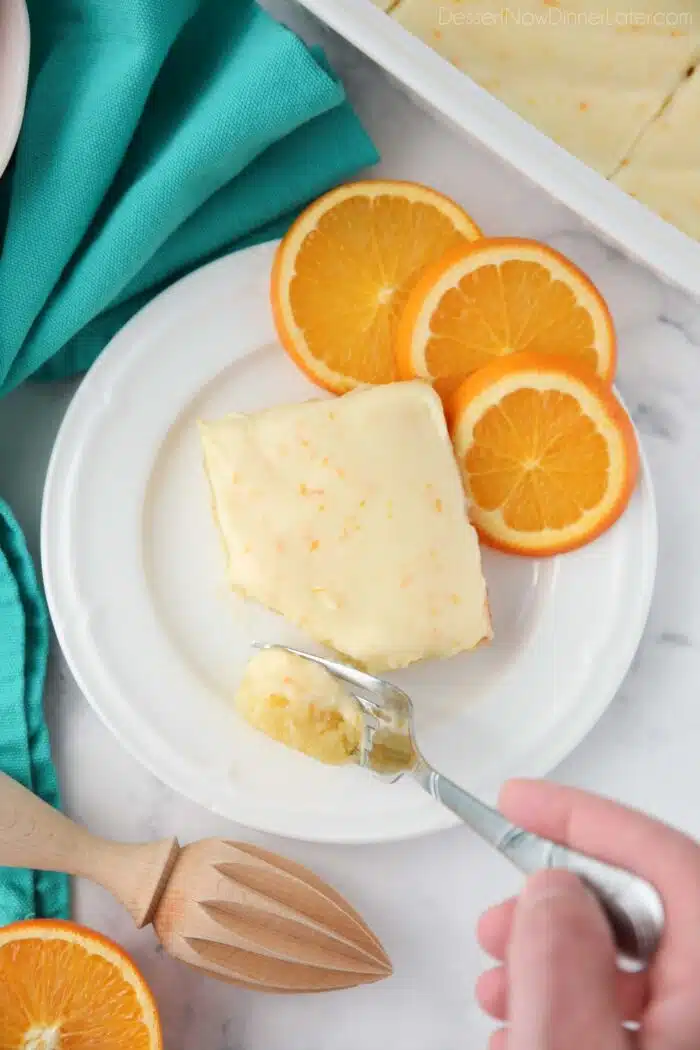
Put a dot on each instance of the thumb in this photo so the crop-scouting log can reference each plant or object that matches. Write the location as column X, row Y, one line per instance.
column 561, row 968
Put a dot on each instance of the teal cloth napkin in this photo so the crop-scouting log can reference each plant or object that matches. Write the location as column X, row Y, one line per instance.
column 158, row 135
column 24, row 741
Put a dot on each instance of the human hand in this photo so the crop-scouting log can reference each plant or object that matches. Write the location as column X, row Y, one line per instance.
column 558, row 986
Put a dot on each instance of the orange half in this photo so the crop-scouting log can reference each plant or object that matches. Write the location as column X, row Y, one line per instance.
column 344, row 270
column 498, row 297
column 64, row 986
column 548, row 454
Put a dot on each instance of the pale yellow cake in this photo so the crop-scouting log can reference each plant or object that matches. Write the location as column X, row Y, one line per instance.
column 301, row 705
column 348, row 517
column 663, row 169
column 590, row 74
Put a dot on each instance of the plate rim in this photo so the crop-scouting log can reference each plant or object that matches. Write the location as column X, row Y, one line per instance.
column 621, row 656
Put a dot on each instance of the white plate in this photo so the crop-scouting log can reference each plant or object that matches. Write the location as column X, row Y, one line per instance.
column 14, row 66
column 134, row 574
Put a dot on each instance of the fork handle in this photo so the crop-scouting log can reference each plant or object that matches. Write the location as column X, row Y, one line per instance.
column 633, row 907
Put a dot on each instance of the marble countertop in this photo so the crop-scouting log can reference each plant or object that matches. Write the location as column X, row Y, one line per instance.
column 422, row 897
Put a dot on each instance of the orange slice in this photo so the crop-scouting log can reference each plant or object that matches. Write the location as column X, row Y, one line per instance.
column 496, row 297
column 548, row 455
column 344, row 270
column 63, row 986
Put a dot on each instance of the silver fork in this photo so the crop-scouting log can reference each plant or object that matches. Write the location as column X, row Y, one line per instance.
column 633, row 907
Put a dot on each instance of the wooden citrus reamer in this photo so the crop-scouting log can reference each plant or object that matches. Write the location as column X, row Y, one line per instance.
column 232, row 910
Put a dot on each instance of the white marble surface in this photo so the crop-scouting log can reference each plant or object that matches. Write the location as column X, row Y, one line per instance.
column 422, row 897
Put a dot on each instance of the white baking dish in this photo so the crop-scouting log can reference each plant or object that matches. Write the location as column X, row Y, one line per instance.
column 453, row 96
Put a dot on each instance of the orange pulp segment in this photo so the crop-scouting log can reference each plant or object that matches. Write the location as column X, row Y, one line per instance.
column 497, row 297
column 64, row 987
column 345, row 268
column 548, row 454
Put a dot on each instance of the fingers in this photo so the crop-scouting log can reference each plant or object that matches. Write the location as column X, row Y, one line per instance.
column 562, row 967
column 494, row 932
column 614, row 833
column 499, row 1040
column 494, row 928
column 492, row 993
column 632, row 992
